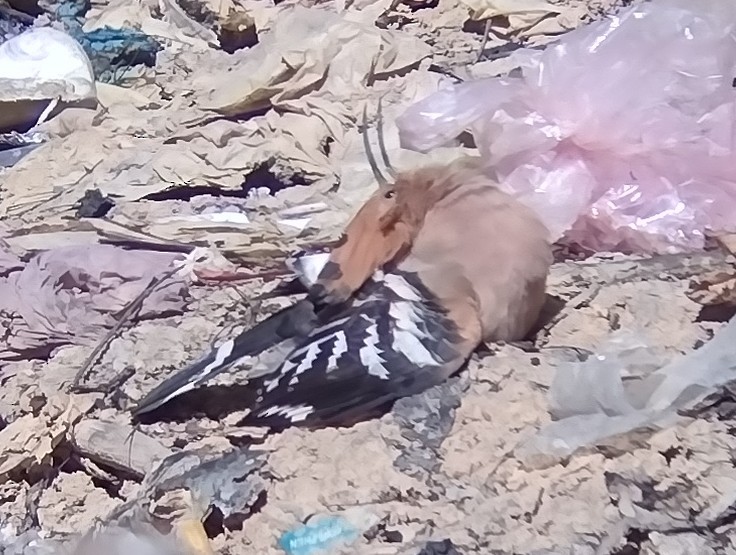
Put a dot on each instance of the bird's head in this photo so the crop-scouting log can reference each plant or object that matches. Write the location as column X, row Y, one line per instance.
column 377, row 234
column 385, row 226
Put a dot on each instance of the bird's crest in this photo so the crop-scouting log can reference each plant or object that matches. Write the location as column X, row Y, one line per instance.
column 375, row 236
column 382, row 181
column 384, row 228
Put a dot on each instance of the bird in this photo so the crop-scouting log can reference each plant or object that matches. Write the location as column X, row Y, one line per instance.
column 436, row 262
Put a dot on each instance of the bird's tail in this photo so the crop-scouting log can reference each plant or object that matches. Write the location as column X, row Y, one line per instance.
column 295, row 320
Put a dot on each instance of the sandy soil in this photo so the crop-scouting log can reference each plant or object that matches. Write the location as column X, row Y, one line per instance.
column 441, row 470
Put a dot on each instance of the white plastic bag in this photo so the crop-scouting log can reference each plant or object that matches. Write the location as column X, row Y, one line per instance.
column 38, row 68
column 619, row 391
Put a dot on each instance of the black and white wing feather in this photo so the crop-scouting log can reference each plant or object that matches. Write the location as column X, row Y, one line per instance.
column 392, row 342
column 295, row 321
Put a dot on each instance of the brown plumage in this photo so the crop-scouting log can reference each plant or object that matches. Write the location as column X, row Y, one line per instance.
column 437, row 260
column 459, row 232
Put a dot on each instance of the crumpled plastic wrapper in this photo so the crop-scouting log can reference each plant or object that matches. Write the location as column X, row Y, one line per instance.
column 309, row 49
column 626, row 387
column 229, row 481
column 71, row 295
column 326, row 532
column 520, row 15
column 41, row 65
column 620, row 136
column 44, row 63
column 193, row 481
column 30, row 543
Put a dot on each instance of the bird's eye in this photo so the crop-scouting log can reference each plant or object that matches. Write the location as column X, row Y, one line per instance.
column 389, row 194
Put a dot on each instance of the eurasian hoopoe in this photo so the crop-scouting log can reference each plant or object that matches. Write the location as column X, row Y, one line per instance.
column 434, row 263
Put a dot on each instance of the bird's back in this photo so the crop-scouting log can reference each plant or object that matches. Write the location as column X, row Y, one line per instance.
column 497, row 247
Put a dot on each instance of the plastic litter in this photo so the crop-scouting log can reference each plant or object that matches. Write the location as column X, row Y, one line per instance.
column 229, row 481
column 12, row 22
column 513, row 15
column 616, row 149
column 14, row 146
column 627, row 387
column 41, row 57
column 37, row 69
column 323, row 533
column 70, row 294
column 111, row 51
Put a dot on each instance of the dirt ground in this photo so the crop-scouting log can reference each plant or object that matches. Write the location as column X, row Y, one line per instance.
column 441, row 472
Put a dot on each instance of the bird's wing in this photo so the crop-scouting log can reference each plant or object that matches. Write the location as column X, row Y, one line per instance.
column 292, row 322
column 384, row 347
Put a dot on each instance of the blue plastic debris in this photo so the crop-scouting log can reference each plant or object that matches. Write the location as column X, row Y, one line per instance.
column 319, row 535
column 12, row 22
column 111, row 51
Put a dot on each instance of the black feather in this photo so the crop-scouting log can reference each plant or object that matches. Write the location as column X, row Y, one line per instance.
column 293, row 321
column 339, row 394
column 323, row 380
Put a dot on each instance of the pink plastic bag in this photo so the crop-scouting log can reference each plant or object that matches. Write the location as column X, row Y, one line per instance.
column 621, row 135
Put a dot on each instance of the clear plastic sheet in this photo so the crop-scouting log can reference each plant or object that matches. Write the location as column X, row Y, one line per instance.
column 621, row 135
column 628, row 386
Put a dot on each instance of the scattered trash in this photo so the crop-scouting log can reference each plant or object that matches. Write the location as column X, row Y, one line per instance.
column 111, row 51
column 94, row 204
column 175, row 495
column 309, row 48
column 299, row 217
column 642, row 160
column 131, row 310
column 39, row 68
column 627, row 387
column 14, row 146
column 46, row 63
column 70, row 294
column 231, row 27
column 114, row 51
column 118, row 446
column 229, row 482
column 521, row 17
column 307, row 264
column 193, row 483
column 444, row 547
column 238, row 31
column 325, row 532
column 183, row 166
column 175, row 14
